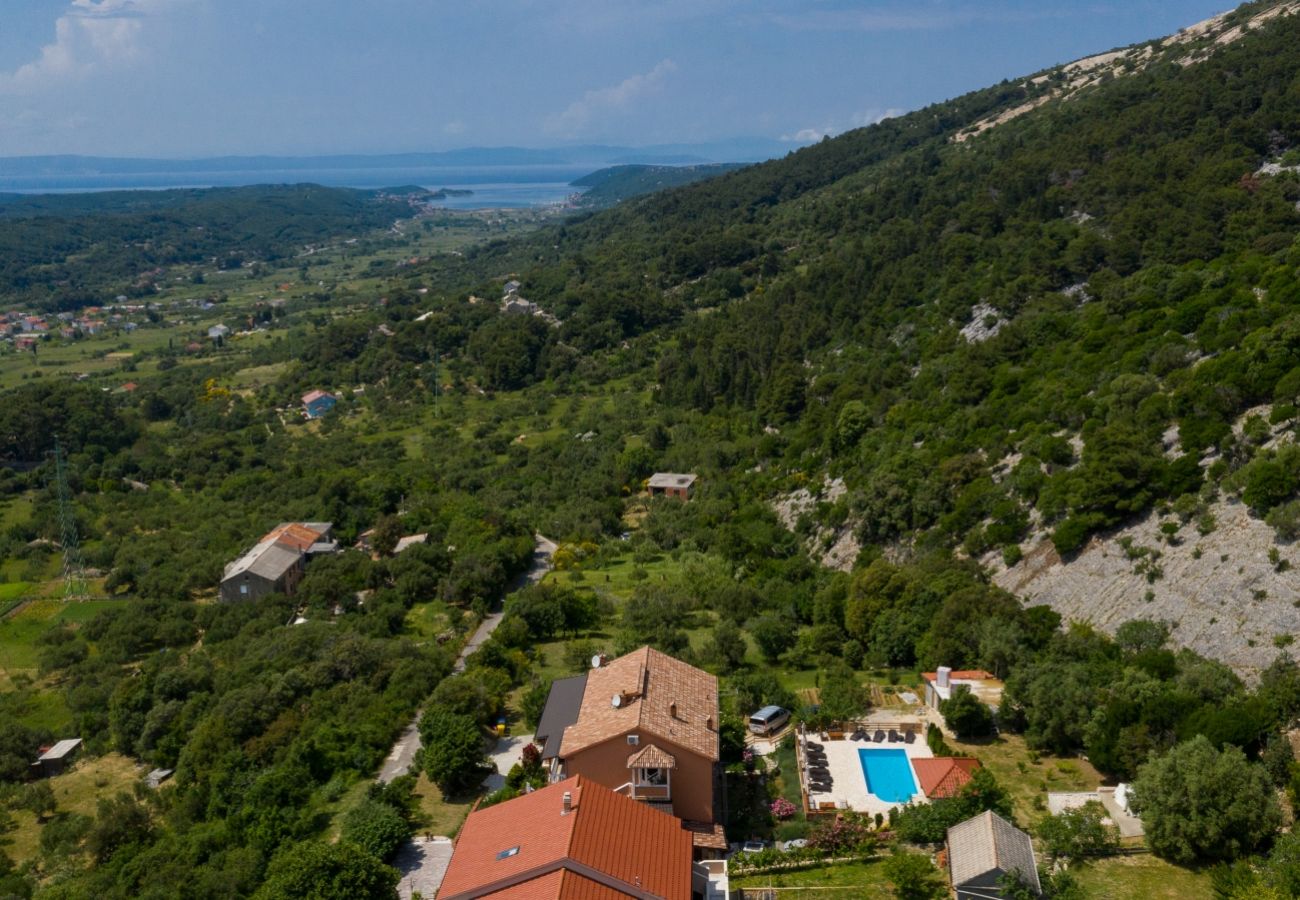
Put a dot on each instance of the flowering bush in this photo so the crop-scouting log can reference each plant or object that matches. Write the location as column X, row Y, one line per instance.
column 844, row 835
column 783, row 808
column 747, row 758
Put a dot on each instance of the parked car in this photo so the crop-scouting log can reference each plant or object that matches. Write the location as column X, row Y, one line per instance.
column 796, row 844
column 768, row 720
column 753, row 846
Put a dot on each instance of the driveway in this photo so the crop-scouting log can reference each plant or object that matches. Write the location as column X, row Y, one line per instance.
column 504, row 755
column 401, row 757
column 423, row 862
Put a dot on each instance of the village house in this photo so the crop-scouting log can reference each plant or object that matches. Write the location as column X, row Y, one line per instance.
column 218, row 332
column 277, row 562
column 671, row 484
column 982, row 850
column 55, row 760
column 939, row 686
column 316, row 403
column 574, row 840
column 646, row 726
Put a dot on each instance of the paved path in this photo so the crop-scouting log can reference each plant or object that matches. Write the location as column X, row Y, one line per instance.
column 423, row 862
column 504, row 755
column 403, row 753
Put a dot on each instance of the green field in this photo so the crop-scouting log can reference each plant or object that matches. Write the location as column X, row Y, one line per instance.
column 859, row 879
column 18, row 633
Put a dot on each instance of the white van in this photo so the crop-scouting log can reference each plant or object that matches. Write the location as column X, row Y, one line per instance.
column 768, row 719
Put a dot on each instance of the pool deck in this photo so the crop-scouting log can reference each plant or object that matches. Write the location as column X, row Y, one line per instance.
column 849, row 783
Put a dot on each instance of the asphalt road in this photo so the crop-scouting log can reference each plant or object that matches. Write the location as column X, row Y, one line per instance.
column 408, row 744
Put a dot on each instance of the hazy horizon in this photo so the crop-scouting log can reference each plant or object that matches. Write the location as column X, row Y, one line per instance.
column 184, row 79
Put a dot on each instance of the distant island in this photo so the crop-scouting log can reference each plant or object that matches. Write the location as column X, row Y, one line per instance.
column 607, row 187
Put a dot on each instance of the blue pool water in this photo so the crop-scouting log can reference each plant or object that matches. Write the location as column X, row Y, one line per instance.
column 888, row 774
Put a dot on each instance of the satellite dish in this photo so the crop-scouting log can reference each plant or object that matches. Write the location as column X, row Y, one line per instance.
column 616, row 701
column 595, row 661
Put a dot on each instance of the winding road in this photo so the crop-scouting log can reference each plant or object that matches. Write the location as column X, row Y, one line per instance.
column 403, row 753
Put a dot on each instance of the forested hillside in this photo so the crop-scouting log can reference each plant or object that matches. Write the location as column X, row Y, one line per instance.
column 73, row 250
column 994, row 349
column 980, row 335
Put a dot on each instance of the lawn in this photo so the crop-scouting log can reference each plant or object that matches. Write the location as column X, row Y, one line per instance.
column 437, row 814
column 858, row 879
column 1123, row 877
column 1027, row 780
column 78, row 790
column 18, row 633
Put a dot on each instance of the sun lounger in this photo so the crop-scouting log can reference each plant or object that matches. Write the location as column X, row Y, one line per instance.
column 893, row 736
column 858, row 735
column 880, row 736
column 910, row 737
column 813, row 746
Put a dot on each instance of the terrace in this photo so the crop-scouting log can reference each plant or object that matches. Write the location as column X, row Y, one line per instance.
column 863, row 766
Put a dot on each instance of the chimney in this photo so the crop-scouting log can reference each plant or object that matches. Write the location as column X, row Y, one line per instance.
column 566, row 805
column 945, row 676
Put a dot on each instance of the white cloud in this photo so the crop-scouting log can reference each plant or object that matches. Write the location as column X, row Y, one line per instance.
column 453, row 128
column 856, row 120
column 90, row 35
column 593, row 104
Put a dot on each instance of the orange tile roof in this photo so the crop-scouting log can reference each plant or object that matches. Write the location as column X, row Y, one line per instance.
column 944, row 776
column 608, row 846
column 293, row 534
column 657, row 694
column 652, row 758
column 963, row 674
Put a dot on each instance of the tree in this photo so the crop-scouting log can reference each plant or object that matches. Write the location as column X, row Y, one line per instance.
column 317, row 871
column 913, row 877
column 774, row 636
column 18, row 747
column 727, row 646
column 388, row 531
column 966, row 715
column 843, row 698
column 1076, row 833
column 119, row 821
column 533, row 702
column 1202, row 804
column 375, row 827
column 928, row 823
column 38, row 799
column 453, row 753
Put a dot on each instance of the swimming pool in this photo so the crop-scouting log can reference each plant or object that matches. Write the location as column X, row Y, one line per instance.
column 888, row 774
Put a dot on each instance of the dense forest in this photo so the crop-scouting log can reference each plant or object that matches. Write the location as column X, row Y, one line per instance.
column 67, row 251
column 1058, row 324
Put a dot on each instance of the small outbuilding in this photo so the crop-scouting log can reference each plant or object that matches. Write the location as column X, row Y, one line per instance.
column 55, row 760
column 671, row 484
column 317, row 403
column 983, row 850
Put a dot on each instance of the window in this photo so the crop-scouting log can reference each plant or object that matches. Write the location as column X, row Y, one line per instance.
column 506, row 854
column 633, row 739
column 653, row 776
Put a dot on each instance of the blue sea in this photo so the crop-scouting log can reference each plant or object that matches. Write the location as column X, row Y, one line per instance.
column 494, row 187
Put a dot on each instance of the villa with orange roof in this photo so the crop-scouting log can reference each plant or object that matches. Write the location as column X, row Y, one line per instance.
column 646, row 726
column 576, row 840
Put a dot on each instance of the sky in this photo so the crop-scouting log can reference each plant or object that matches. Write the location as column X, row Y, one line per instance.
column 193, row 78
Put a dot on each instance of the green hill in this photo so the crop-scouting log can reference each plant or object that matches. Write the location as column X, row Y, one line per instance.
column 1133, row 264
column 607, row 187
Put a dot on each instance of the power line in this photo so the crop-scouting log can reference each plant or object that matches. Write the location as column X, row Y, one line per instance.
column 74, row 571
